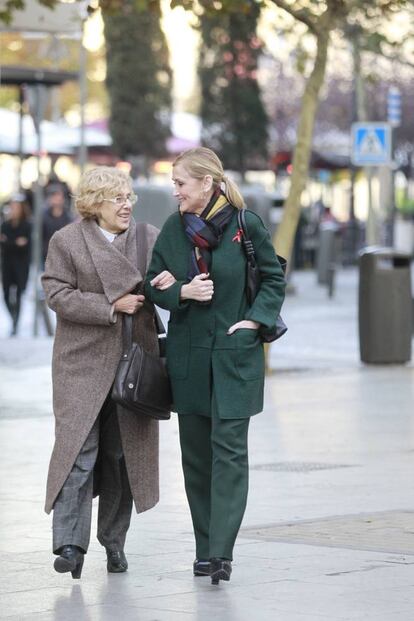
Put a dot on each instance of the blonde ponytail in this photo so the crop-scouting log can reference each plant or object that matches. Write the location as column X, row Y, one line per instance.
column 233, row 193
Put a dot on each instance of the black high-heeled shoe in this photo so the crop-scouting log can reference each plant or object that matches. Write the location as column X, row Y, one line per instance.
column 201, row 567
column 70, row 559
column 220, row 569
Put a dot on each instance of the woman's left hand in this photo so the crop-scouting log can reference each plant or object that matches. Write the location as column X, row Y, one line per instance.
column 164, row 280
column 246, row 323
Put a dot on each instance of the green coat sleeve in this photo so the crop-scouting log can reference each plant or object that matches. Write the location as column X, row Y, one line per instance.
column 266, row 307
column 170, row 298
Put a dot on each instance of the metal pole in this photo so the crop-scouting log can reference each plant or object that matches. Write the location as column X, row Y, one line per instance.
column 371, row 236
column 393, row 206
column 38, row 212
column 83, row 151
column 20, row 138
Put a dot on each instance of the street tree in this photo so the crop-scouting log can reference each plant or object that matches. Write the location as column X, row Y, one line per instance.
column 322, row 18
column 138, row 80
column 138, row 75
column 234, row 121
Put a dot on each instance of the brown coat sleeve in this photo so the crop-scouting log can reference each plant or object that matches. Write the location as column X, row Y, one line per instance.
column 59, row 282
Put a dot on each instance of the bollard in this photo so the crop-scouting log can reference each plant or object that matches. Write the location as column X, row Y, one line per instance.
column 331, row 279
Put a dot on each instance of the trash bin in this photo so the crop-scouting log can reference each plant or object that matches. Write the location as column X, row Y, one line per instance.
column 385, row 306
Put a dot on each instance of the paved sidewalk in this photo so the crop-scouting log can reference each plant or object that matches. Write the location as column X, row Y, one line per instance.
column 328, row 533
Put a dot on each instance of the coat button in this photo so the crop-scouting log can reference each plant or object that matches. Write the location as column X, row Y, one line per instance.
column 210, row 332
column 130, row 385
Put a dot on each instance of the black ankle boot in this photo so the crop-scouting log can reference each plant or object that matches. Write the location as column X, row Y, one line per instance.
column 201, row 567
column 220, row 569
column 70, row 559
column 116, row 561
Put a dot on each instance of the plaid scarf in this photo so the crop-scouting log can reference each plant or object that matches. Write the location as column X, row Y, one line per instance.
column 205, row 232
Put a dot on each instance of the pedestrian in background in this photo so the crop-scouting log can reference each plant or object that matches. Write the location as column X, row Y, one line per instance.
column 91, row 274
column 214, row 347
column 55, row 216
column 15, row 238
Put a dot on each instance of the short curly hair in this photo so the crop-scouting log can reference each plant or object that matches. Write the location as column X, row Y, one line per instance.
column 98, row 184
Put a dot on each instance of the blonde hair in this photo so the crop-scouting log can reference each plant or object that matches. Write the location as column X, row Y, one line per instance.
column 98, row 184
column 200, row 162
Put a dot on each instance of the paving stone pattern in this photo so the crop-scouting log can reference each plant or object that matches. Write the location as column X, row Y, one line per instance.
column 386, row 531
column 329, row 526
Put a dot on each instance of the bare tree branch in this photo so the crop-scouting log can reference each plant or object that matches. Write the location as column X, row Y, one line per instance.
column 397, row 58
column 302, row 15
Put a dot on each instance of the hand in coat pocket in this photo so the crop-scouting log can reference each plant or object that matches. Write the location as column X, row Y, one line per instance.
column 245, row 323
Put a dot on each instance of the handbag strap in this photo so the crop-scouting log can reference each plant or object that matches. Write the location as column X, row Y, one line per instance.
column 246, row 241
column 248, row 244
column 142, row 254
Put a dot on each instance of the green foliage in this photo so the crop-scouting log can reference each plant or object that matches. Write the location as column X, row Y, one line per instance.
column 138, row 81
column 122, row 6
column 404, row 204
column 17, row 5
column 233, row 116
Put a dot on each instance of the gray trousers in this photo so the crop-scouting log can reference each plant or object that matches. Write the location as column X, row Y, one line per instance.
column 102, row 458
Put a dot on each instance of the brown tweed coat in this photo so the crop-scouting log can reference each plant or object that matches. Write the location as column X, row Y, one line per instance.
column 84, row 275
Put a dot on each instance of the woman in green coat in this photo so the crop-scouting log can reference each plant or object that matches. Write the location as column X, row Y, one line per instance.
column 215, row 345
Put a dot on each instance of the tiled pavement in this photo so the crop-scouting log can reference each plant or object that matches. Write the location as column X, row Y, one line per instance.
column 329, row 529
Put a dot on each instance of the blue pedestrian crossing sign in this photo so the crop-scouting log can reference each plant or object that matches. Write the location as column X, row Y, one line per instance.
column 371, row 144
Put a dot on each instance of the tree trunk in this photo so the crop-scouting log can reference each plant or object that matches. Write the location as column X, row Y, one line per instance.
column 285, row 233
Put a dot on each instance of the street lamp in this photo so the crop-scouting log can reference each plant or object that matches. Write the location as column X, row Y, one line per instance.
column 36, row 83
column 64, row 19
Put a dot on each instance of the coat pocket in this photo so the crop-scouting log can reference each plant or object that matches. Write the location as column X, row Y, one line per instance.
column 178, row 351
column 249, row 353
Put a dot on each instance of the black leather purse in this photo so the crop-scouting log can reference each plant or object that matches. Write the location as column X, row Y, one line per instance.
column 141, row 382
column 253, row 279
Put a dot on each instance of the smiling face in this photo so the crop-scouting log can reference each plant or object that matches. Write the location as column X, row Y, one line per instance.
column 114, row 214
column 193, row 194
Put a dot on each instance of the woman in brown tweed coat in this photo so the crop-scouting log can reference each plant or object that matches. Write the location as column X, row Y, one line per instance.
column 91, row 278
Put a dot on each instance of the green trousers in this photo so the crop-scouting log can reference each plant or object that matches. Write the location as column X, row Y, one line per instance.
column 216, row 476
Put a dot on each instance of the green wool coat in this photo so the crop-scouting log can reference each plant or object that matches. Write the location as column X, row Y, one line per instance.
column 200, row 353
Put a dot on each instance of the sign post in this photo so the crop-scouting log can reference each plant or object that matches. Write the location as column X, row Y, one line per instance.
column 394, row 119
column 371, row 147
column 371, row 144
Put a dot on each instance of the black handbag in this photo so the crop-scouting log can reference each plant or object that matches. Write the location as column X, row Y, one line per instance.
column 141, row 382
column 253, row 279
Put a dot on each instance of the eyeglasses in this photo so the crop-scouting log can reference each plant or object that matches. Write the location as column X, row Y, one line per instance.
column 121, row 200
